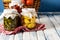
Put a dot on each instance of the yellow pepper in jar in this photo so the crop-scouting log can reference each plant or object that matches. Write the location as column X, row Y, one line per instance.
column 30, row 26
column 28, row 19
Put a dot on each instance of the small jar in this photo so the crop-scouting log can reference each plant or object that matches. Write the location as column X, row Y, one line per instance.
column 28, row 19
column 16, row 5
column 6, row 3
column 11, row 19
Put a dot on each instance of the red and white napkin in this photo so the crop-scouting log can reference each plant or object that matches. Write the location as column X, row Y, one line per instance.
column 18, row 29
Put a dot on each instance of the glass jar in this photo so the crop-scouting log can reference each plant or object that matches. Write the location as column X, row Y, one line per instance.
column 28, row 19
column 16, row 4
column 11, row 19
column 6, row 3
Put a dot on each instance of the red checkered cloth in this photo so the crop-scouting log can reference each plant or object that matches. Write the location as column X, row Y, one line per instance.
column 18, row 29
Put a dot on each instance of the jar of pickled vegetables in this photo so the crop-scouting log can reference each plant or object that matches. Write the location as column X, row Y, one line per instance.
column 28, row 18
column 11, row 19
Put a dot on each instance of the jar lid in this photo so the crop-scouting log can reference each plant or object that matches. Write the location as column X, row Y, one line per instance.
column 10, row 13
column 25, row 10
column 29, row 11
column 33, row 11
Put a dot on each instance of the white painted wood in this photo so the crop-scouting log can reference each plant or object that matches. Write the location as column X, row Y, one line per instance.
column 4, row 37
column 57, row 17
column 26, row 36
column 45, row 20
column 7, row 37
column 33, row 36
column 11, row 37
column 18, row 36
column 50, row 32
column 40, row 35
column 57, row 26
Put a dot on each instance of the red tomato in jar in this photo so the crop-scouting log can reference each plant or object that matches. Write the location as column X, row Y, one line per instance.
column 29, row 2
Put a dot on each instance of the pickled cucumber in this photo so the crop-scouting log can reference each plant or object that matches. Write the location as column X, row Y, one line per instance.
column 10, row 24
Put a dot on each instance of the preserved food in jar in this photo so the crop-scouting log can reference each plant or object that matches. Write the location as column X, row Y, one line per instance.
column 11, row 19
column 28, row 18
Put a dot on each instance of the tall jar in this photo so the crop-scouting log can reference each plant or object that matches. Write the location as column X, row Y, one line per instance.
column 28, row 19
column 11, row 19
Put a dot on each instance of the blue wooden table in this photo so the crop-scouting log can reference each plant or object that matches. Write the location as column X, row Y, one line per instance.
column 52, row 31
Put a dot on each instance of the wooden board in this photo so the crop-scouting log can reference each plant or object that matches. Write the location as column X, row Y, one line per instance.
column 52, row 31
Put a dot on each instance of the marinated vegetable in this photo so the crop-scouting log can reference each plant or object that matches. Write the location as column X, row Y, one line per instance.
column 10, row 24
column 11, row 19
column 28, row 18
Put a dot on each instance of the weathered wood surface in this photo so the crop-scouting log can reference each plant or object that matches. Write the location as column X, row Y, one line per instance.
column 52, row 31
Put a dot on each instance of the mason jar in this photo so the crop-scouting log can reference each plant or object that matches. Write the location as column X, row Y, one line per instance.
column 11, row 19
column 28, row 18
